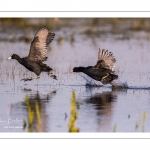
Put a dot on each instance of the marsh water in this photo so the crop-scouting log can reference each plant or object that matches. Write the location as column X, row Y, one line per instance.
column 99, row 108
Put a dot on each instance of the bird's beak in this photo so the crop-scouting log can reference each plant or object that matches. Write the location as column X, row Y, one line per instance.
column 71, row 71
column 9, row 57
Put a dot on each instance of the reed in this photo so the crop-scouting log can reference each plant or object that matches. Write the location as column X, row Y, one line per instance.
column 32, row 115
column 73, row 116
column 143, row 121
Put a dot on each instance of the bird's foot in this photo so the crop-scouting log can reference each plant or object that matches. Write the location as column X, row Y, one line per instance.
column 52, row 76
column 26, row 79
column 104, row 80
column 29, row 79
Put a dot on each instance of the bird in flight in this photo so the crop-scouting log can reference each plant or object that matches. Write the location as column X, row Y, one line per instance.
column 103, row 70
column 37, row 54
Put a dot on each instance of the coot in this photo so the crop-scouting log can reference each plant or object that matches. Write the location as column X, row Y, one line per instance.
column 104, row 69
column 37, row 55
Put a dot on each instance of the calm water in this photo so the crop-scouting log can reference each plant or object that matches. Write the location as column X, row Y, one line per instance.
column 100, row 109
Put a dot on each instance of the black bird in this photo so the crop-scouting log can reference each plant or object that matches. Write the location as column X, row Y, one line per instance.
column 37, row 55
column 103, row 70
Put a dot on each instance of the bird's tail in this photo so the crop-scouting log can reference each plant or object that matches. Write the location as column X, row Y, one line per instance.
column 114, row 76
column 45, row 68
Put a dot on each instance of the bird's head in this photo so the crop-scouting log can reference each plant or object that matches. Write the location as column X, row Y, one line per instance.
column 14, row 56
column 77, row 69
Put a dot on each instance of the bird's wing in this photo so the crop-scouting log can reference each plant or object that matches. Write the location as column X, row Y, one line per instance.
column 105, row 60
column 39, row 45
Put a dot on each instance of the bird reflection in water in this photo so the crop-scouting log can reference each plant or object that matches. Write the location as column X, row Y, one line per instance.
column 101, row 100
column 103, row 103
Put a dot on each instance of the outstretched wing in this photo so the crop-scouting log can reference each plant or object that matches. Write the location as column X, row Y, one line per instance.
column 39, row 45
column 105, row 60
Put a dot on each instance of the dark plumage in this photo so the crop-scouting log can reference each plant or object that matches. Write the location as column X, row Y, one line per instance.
column 37, row 54
column 103, row 70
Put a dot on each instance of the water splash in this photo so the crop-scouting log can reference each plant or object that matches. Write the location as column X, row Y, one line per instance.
column 118, row 83
column 90, row 81
column 134, row 82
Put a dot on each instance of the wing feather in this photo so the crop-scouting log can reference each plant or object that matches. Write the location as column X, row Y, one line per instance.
column 106, row 60
column 39, row 45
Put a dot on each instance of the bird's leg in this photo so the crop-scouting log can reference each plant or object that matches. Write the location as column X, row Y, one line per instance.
column 107, row 74
column 51, row 72
column 29, row 79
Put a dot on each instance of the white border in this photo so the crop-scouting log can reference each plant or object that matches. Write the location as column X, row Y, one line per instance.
column 72, row 14
column 79, row 135
column 74, row 5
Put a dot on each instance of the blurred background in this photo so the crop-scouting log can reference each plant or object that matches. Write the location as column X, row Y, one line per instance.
column 119, row 28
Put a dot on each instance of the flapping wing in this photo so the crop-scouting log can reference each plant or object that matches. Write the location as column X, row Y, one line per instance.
column 39, row 45
column 106, row 60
